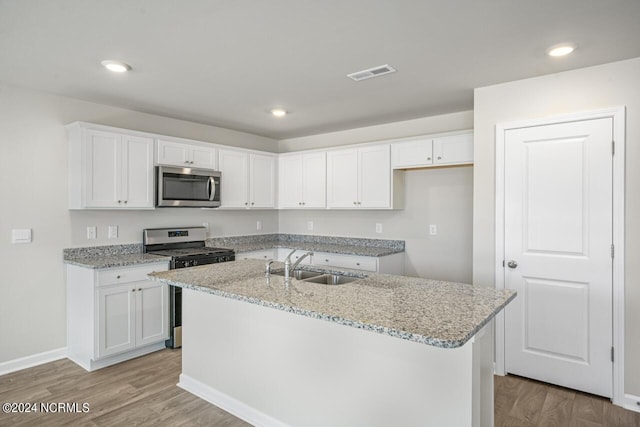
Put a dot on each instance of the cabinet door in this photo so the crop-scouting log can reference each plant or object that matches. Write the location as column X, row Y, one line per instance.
column 137, row 172
column 412, row 154
column 453, row 149
column 374, row 165
column 116, row 320
column 234, row 182
column 173, row 154
column 103, row 169
column 204, row 157
column 262, row 186
column 290, row 172
column 314, row 179
column 152, row 311
column 342, row 179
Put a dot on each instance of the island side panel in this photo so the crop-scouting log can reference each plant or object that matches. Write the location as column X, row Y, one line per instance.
column 272, row 367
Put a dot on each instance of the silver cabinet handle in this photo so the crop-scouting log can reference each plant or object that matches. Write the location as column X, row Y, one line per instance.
column 512, row 264
column 139, row 289
column 125, row 202
column 439, row 157
column 117, row 277
column 428, row 158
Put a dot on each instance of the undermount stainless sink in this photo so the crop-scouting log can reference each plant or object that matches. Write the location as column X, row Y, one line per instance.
column 315, row 277
column 332, row 279
column 299, row 274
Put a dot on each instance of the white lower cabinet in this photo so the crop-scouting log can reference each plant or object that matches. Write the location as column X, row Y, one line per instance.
column 115, row 314
column 388, row 264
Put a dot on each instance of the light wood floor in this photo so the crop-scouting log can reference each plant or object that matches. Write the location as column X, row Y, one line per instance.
column 143, row 392
column 524, row 402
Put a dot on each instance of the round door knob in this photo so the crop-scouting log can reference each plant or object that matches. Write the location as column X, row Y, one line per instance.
column 512, row 264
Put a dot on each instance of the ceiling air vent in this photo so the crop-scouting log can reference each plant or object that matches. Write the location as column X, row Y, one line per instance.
column 380, row 70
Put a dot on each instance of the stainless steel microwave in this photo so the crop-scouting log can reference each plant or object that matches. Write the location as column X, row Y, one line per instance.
column 187, row 187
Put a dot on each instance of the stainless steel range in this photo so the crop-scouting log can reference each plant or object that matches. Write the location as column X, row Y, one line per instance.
column 186, row 248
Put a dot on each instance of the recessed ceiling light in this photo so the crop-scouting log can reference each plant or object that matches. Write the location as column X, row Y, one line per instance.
column 562, row 49
column 116, row 66
column 279, row 112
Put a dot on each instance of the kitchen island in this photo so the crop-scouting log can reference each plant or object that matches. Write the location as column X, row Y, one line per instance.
column 381, row 350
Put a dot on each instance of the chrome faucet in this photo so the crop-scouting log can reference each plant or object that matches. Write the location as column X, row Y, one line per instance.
column 268, row 268
column 288, row 267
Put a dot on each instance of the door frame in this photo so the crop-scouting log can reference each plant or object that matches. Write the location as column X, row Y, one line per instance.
column 618, row 116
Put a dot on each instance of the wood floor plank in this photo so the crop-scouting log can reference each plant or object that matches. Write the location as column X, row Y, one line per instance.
column 588, row 408
column 528, row 404
column 557, row 408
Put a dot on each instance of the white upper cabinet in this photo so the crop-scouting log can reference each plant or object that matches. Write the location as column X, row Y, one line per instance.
column 109, row 170
column 361, row 178
column 426, row 151
column 183, row 154
column 302, row 180
column 248, row 179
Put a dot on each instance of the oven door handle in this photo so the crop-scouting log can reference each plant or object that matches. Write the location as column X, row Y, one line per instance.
column 211, row 184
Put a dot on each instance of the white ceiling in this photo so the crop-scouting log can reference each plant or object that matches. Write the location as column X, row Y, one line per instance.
column 228, row 62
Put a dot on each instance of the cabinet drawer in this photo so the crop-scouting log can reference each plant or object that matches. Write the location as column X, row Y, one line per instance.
column 353, row 262
column 117, row 276
column 264, row 254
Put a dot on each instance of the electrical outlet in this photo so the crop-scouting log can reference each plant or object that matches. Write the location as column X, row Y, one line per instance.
column 113, row 231
column 433, row 229
column 378, row 228
column 309, row 225
column 259, row 225
column 206, row 226
column 92, row 232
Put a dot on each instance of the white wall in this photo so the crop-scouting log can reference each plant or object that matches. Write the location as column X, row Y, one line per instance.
column 33, row 194
column 610, row 85
column 433, row 196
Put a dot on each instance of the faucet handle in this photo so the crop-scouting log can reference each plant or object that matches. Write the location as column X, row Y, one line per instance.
column 267, row 267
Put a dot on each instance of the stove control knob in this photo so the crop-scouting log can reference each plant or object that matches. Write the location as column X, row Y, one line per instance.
column 195, row 262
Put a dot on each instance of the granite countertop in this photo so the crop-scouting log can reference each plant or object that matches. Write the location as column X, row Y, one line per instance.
column 115, row 260
column 98, row 257
column 330, row 244
column 316, row 247
column 437, row 313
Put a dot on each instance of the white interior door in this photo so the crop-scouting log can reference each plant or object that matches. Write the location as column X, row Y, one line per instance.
column 558, row 251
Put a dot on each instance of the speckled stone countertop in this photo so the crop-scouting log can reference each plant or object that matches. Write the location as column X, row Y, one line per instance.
column 98, row 257
column 330, row 244
column 437, row 313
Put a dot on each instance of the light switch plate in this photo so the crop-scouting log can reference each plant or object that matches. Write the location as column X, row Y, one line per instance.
column 433, row 229
column 309, row 225
column 22, row 235
column 378, row 228
column 113, row 231
column 259, row 225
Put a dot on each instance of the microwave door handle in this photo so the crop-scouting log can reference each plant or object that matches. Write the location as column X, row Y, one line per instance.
column 212, row 188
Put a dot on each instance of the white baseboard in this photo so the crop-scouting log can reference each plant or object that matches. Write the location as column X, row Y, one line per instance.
column 33, row 360
column 228, row 403
column 631, row 402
